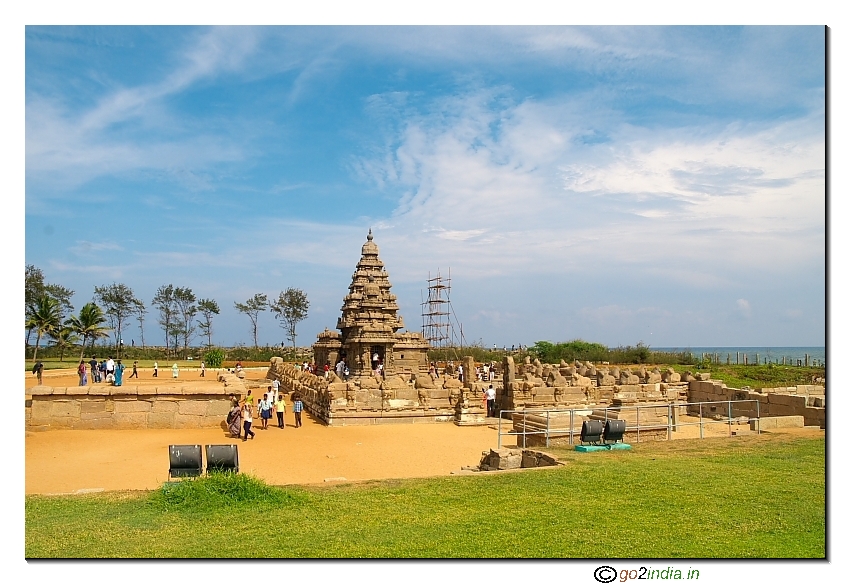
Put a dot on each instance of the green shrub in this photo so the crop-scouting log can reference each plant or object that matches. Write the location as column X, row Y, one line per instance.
column 216, row 490
column 213, row 358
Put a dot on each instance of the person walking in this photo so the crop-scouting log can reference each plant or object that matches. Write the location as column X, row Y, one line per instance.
column 203, row 368
column 37, row 369
column 95, row 371
column 280, row 409
column 265, row 408
column 119, row 373
column 234, row 419
column 491, row 401
column 82, row 373
column 247, row 419
column 174, row 371
column 110, row 366
column 297, row 407
column 155, row 369
column 135, row 369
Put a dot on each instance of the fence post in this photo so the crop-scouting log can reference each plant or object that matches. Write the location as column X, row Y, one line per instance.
column 700, row 421
column 572, row 411
column 547, row 428
column 637, row 419
column 499, row 441
column 524, row 426
column 669, row 422
column 729, row 412
column 758, row 417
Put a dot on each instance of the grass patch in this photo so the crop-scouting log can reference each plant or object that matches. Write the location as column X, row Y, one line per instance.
column 758, row 376
column 219, row 490
column 754, row 497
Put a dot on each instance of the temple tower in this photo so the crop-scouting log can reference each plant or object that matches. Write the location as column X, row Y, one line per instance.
column 369, row 325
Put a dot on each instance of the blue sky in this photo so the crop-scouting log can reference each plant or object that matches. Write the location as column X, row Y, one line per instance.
column 616, row 184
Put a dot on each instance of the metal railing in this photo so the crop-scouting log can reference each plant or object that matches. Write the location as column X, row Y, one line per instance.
column 671, row 424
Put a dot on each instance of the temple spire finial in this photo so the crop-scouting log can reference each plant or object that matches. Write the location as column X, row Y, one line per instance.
column 369, row 236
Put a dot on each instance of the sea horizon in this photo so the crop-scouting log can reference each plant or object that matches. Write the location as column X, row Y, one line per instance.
column 773, row 353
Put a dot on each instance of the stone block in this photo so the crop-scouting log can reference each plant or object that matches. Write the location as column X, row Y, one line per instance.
column 40, row 409
column 219, row 408
column 101, row 389
column 77, row 390
column 95, row 415
column 164, row 406
column 776, row 422
column 145, row 390
column 132, row 406
column 187, row 421
column 529, row 459
column 796, row 401
column 58, row 391
column 40, row 390
column 203, row 390
column 512, row 462
column 169, row 391
column 104, row 422
column 134, row 420
column 65, row 409
column 124, row 390
column 92, row 407
column 161, row 420
column 774, row 410
column 192, row 407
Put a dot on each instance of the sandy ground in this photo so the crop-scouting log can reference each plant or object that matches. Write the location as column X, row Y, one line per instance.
column 70, row 461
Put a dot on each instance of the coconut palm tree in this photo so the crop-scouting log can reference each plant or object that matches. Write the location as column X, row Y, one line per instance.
column 88, row 324
column 44, row 316
column 63, row 337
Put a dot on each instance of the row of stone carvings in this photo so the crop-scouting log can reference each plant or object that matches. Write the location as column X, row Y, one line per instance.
column 397, row 393
column 584, row 374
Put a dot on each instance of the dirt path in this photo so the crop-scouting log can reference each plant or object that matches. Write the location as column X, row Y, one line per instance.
column 69, row 461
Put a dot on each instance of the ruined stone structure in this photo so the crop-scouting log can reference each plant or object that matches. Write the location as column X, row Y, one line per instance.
column 102, row 406
column 369, row 326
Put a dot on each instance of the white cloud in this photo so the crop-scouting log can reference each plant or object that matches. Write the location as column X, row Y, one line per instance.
column 503, row 187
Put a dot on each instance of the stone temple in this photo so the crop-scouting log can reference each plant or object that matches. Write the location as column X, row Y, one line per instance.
column 369, row 326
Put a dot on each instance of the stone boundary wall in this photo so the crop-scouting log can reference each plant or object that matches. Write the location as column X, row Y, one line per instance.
column 806, row 400
column 102, row 406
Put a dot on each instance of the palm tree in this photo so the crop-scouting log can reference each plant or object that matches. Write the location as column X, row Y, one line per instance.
column 44, row 316
column 88, row 324
column 63, row 337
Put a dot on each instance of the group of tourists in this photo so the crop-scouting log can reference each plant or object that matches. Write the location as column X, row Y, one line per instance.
column 241, row 415
column 110, row 371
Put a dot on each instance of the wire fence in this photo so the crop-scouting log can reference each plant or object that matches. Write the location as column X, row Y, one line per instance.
column 670, row 412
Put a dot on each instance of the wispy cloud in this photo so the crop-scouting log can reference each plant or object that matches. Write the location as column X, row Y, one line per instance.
column 502, row 186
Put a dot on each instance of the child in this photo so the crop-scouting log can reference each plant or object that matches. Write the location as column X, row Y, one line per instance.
column 280, row 408
column 247, row 419
column 265, row 411
column 297, row 407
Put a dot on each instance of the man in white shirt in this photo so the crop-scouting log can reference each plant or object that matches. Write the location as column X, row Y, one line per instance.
column 491, row 401
column 110, row 366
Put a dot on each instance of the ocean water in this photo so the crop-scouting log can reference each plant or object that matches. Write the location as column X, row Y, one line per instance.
column 772, row 353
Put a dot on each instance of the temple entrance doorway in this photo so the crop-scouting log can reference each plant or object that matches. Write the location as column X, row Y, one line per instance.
column 376, row 356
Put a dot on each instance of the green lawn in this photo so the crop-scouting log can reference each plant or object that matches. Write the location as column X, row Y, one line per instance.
column 740, row 497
